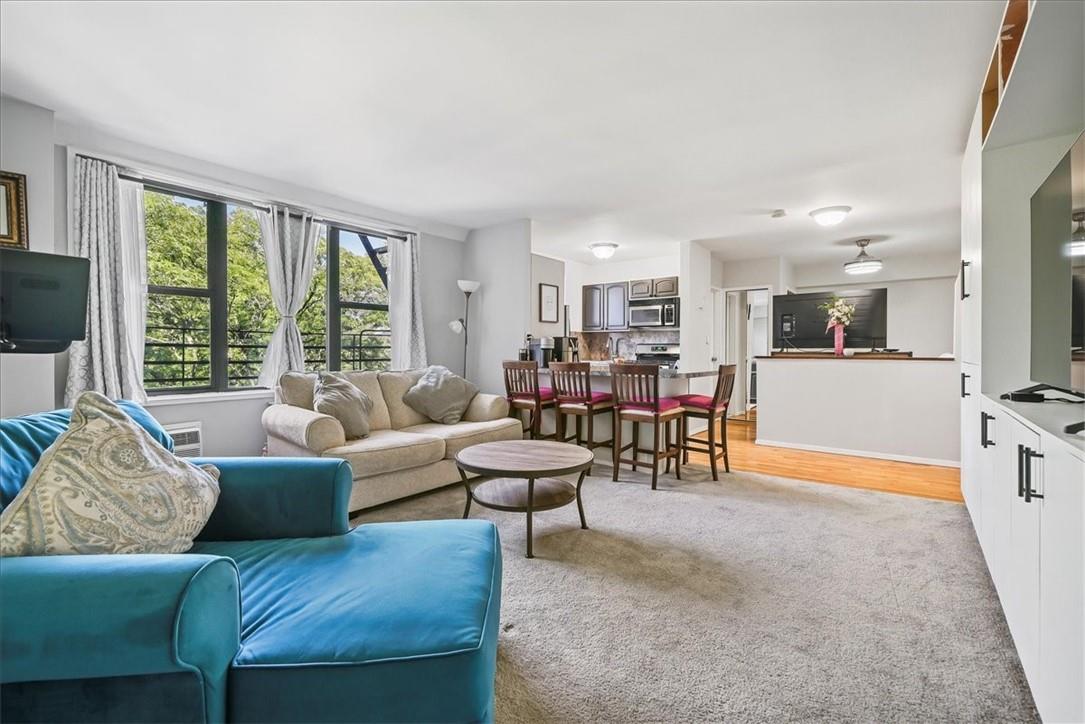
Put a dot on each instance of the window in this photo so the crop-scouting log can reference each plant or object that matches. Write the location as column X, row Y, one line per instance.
column 210, row 314
column 359, row 334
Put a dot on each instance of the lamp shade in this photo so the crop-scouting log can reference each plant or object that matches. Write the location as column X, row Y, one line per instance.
column 603, row 249
column 864, row 263
column 467, row 286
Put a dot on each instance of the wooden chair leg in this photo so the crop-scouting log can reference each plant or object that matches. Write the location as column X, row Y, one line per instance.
column 655, row 452
column 667, row 445
column 712, row 447
column 723, row 436
column 617, row 443
column 680, row 427
column 636, row 444
column 559, row 425
column 591, row 428
column 579, row 430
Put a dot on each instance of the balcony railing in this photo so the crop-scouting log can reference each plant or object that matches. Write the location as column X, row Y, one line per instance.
column 180, row 357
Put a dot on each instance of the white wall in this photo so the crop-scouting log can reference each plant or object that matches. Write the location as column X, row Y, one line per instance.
column 577, row 275
column 231, row 426
column 500, row 258
column 545, row 270
column 695, row 288
column 26, row 147
column 771, row 272
column 441, row 262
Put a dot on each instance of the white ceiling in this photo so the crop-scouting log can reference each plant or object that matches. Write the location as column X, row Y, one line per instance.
column 641, row 123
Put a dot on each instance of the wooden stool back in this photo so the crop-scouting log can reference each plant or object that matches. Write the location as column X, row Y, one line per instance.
column 725, row 385
column 636, row 385
column 521, row 379
column 571, row 381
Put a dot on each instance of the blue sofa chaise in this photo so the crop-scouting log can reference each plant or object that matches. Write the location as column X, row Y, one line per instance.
column 280, row 613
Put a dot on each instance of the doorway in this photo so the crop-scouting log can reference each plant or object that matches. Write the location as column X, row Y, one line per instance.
column 741, row 333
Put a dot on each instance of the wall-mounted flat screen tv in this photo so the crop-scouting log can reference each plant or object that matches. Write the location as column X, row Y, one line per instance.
column 1058, row 274
column 798, row 324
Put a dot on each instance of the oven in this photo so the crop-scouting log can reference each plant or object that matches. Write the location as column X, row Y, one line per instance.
column 653, row 312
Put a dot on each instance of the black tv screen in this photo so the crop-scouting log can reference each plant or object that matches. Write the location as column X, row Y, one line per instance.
column 798, row 323
column 1057, row 223
column 43, row 301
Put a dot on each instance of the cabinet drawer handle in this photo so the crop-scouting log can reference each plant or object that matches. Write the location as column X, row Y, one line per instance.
column 1029, row 492
column 985, row 441
column 964, row 265
column 1020, row 471
column 964, row 381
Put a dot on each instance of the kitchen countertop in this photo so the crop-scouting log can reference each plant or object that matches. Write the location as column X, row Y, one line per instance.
column 664, row 374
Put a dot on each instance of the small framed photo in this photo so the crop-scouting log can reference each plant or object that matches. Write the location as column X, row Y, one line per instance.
column 549, row 303
column 13, row 211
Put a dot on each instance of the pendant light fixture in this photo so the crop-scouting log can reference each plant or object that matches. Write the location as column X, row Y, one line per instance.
column 864, row 263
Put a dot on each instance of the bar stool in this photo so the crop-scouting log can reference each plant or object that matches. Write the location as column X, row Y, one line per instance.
column 713, row 409
column 636, row 399
column 523, row 393
column 572, row 387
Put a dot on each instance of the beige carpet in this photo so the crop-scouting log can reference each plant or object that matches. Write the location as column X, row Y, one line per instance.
column 751, row 599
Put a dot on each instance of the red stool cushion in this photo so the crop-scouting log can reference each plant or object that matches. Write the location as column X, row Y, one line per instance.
column 545, row 393
column 665, row 404
column 703, row 402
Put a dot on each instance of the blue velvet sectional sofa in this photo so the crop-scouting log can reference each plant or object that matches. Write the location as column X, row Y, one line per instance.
column 280, row 613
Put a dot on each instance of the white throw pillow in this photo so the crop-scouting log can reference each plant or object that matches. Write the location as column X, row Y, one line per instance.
column 441, row 395
column 106, row 486
column 335, row 395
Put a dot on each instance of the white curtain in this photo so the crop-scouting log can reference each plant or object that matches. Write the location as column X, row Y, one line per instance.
column 108, row 230
column 405, row 304
column 289, row 240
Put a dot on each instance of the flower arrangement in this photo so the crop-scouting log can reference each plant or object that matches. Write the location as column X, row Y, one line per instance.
column 840, row 312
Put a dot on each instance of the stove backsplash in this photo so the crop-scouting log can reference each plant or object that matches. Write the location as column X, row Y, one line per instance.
column 593, row 345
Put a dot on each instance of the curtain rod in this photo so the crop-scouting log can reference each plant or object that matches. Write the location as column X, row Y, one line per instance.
column 180, row 185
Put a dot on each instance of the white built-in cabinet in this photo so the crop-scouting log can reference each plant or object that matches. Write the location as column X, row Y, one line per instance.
column 1027, row 502
column 1023, row 481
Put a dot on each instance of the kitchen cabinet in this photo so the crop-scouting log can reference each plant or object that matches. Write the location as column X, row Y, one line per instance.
column 605, row 307
column 970, row 430
column 641, row 288
column 617, row 306
column 1022, row 603
column 665, row 287
column 970, row 275
column 593, row 317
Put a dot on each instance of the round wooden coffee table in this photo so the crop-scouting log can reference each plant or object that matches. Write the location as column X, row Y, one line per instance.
column 523, row 472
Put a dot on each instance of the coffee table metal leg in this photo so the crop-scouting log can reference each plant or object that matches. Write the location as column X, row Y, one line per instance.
column 467, row 486
column 530, row 505
column 579, row 501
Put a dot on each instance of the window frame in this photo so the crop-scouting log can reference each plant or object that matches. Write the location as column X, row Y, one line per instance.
column 215, row 293
column 335, row 304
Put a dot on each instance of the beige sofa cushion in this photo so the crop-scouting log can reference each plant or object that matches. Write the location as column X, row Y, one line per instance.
column 395, row 385
column 296, row 388
column 466, row 434
column 388, row 450
column 306, row 429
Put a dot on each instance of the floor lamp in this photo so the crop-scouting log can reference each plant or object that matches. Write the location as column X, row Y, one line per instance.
column 460, row 325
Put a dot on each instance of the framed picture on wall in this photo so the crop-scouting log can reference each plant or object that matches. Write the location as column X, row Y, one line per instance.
column 549, row 303
column 13, row 210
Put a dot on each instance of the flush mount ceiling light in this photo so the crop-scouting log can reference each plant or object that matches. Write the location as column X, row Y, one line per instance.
column 603, row 249
column 830, row 215
column 864, row 263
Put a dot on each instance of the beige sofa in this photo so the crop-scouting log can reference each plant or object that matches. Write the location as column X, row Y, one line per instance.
column 405, row 452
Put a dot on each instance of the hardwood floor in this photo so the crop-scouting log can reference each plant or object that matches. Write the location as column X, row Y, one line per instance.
column 924, row 481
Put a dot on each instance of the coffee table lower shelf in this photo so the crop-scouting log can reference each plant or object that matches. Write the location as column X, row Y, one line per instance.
column 520, row 495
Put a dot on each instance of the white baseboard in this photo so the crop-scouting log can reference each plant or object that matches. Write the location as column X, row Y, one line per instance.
column 861, row 453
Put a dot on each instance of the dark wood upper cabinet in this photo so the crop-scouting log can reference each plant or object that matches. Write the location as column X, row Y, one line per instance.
column 664, row 287
column 593, row 310
column 641, row 288
column 617, row 305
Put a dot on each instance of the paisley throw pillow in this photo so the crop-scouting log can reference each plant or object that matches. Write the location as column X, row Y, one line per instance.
column 106, row 486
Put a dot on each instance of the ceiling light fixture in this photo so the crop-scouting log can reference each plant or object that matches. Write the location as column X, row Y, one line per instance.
column 864, row 263
column 603, row 249
column 830, row 215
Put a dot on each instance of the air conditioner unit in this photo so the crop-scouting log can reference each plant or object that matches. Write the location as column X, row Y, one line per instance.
column 187, row 439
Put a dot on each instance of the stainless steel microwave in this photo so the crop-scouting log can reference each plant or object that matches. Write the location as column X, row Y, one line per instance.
column 653, row 313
